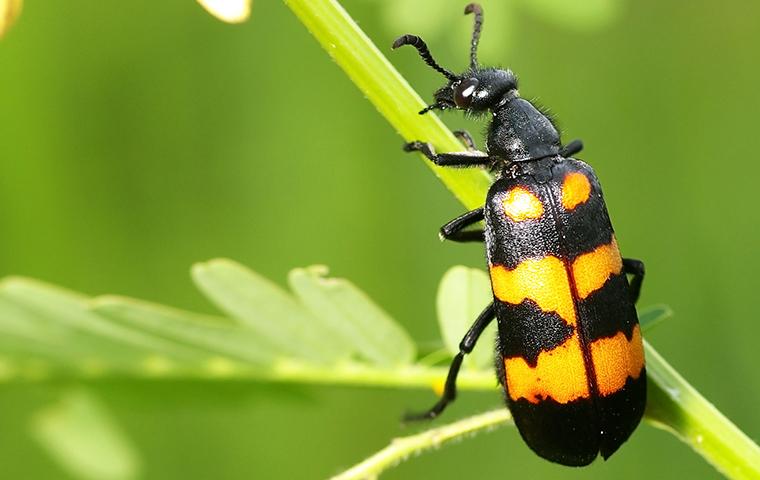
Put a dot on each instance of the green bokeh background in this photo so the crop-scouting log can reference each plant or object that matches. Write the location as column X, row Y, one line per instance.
column 139, row 137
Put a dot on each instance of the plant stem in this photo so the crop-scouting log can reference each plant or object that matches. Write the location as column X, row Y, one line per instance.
column 387, row 90
column 404, row 447
column 676, row 406
column 673, row 404
column 281, row 371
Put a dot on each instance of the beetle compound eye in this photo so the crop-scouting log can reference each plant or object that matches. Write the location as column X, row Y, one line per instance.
column 464, row 92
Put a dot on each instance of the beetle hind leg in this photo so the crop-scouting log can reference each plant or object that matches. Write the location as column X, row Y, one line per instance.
column 450, row 387
column 636, row 268
column 467, row 236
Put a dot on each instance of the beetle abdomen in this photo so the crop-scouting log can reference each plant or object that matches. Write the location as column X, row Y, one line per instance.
column 572, row 360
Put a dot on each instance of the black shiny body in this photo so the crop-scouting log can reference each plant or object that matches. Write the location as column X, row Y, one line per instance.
column 571, row 433
column 564, row 234
column 520, row 132
column 569, row 353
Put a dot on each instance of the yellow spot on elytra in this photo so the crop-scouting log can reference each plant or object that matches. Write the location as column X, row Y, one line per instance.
column 542, row 280
column 615, row 359
column 520, row 204
column 559, row 374
column 576, row 189
column 592, row 270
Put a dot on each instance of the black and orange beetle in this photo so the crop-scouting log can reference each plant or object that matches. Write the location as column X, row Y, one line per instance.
column 569, row 354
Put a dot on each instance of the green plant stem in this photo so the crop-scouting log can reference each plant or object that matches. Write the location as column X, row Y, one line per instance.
column 281, row 371
column 404, row 447
column 355, row 53
column 673, row 403
column 676, row 406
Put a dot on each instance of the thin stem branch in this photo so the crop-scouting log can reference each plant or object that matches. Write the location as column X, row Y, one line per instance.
column 404, row 447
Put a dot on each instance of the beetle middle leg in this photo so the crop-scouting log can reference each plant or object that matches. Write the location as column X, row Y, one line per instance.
column 465, row 346
column 465, row 137
column 454, row 230
column 571, row 148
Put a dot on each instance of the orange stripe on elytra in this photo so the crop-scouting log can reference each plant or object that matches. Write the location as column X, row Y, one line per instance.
column 592, row 270
column 615, row 359
column 520, row 204
column 559, row 373
column 542, row 280
column 576, row 189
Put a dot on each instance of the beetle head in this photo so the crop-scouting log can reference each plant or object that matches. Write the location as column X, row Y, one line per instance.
column 477, row 89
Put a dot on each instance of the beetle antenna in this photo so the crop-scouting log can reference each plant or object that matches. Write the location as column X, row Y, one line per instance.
column 478, row 11
column 435, row 106
column 422, row 48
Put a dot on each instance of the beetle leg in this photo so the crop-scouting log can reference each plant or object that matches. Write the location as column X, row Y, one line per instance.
column 465, row 137
column 465, row 346
column 468, row 236
column 454, row 159
column 571, row 148
column 453, row 229
column 635, row 268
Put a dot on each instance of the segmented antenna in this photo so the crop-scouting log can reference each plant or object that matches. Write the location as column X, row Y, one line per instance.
column 435, row 106
column 422, row 48
column 478, row 11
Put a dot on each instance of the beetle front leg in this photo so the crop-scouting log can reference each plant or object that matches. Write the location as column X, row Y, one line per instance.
column 454, row 159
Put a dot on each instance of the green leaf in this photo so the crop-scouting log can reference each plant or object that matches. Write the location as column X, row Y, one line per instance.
column 462, row 295
column 80, row 434
column 267, row 310
column 352, row 318
column 47, row 333
column 24, row 334
column 62, row 323
column 208, row 337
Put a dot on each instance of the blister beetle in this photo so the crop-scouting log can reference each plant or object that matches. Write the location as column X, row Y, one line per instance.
column 569, row 353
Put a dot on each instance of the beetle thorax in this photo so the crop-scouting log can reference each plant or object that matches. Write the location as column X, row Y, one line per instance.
column 520, row 132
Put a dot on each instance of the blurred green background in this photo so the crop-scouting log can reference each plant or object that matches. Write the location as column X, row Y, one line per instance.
column 139, row 137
